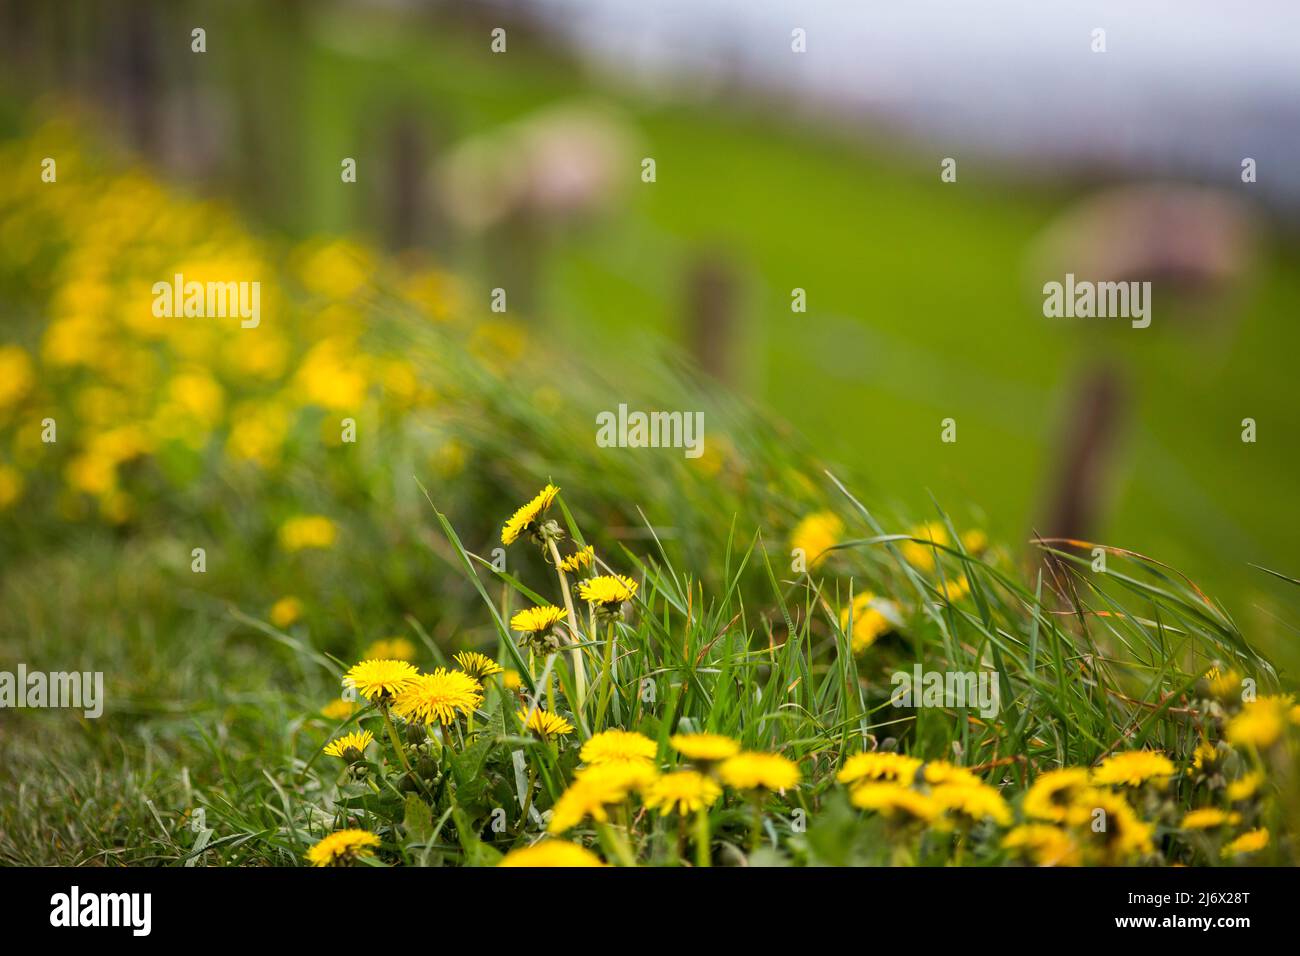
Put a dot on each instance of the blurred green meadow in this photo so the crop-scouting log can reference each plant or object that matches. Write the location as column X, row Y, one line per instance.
column 916, row 307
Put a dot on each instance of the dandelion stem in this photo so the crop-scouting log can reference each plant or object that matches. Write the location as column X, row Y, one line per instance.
column 579, row 672
column 756, row 832
column 607, row 677
column 392, row 736
column 703, row 856
column 615, row 844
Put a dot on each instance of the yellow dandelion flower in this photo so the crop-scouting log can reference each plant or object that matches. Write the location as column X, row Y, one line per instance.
column 704, row 748
column 1133, row 768
column 392, row 648
column 512, row 680
column 751, row 770
column 478, row 666
column 868, row 622
column 381, row 678
column 343, row 847
column 607, row 589
column 816, row 534
column 954, row 589
column 16, row 375
column 439, row 696
column 591, row 792
column 1223, row 685
column 919, row 553
column 1043, row 844
column 939, row 772
column 339, row 709
column 357, row 742
column 881, row 765
column 1205, row 757
column 894, row 801
column 11, row 486
column 1123, row 836
column 552, row 853
column 685, row 791
column 532, row 620
column 1208, row 818
column 618, row 746
column 1244, row 788
column 628, row 775
column 1260, row 722
column 582, row 558
column 1252, row 841
column 526, row 518
column 972, row 802
column 307, row 531
column 286, row 612
column 544, row 723
column 974, row 540
column 1054, row 793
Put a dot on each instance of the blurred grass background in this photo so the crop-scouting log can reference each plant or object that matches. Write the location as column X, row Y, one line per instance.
column 918, row 309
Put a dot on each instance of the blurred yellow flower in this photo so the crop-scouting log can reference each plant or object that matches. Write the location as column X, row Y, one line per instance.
column 704, row 748
column 11, row 486
column 552, row 853
column 1043, row 844
column 339, row 709
column 287, row 611
column 894, row 801
column 391, row 648
column 1123, row 834
column 307, row 531
column 939, row 772
column 920, row 554
column 588, row 796
column 751, row 770
column 1209, row 818
column 1260, row 722
column 1252, row 841
column 1054, row 793
column 1133, row 768
column 868, row 622
column 1244, row 788
column 685, row 791
column 16, row 376
column 618, row 746
column 880, row 765
column 815, row 534
column 973, row 802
